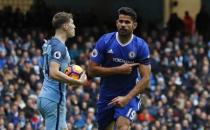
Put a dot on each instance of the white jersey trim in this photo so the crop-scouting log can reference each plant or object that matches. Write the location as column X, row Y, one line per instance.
column 123, row 44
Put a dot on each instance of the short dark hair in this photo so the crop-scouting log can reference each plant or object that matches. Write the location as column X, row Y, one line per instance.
column 60, row 18
column 128, row 11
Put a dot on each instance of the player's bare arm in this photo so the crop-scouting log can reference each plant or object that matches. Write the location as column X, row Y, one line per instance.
column 145, row 71
column 54, row 73
column 138, row 89
column 95, row 69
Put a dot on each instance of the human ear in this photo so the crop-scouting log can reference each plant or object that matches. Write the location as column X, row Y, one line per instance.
column 135, row 25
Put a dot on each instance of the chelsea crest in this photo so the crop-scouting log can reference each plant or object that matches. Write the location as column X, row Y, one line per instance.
column 132, row 55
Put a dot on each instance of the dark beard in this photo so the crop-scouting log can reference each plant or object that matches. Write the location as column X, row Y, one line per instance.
column 123, row 32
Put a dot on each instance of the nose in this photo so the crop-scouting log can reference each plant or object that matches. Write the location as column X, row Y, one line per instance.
column 123, row 24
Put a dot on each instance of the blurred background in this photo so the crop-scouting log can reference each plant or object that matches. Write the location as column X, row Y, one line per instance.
column 178, row 35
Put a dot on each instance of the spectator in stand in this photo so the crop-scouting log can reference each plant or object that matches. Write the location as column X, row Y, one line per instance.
column 175, row 24
column 202, row 22
column 188, row 24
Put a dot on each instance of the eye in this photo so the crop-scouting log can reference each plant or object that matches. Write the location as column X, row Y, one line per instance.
column 120, row 21
column 127, row 22
column 124, row 21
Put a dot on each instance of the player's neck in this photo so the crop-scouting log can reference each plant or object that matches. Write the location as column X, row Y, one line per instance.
column 61, row 36
column 124, row 39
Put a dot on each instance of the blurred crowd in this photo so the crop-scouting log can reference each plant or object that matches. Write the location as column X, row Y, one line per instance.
column 177, row 99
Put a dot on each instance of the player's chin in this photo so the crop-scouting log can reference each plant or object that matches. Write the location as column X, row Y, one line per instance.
column 71, row 35
column 123, row 32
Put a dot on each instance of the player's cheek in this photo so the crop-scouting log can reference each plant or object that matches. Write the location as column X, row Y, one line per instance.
column 118, row 26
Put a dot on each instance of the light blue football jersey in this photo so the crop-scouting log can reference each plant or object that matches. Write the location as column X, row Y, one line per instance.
column 54, row 50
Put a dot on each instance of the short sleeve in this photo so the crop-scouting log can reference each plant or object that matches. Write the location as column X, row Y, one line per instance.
column 143, row 55
column 97, row 54
column 58, row 53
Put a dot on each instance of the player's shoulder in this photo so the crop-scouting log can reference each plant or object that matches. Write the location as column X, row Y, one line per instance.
column 108, row 36
column 139, row 41
column 55, row 43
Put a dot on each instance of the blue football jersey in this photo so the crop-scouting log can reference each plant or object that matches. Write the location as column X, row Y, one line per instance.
column 110, row 52
column 54, row 50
